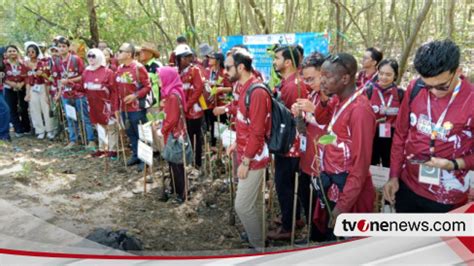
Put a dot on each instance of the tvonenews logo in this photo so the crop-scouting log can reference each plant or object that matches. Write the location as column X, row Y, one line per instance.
column 381, row 224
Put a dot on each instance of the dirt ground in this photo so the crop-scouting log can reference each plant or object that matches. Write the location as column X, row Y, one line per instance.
column 70, row 189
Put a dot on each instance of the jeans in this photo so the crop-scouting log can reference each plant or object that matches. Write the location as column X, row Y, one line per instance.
column 18, row 110
column 132, row 120
column 82, row 111
column 4, row 118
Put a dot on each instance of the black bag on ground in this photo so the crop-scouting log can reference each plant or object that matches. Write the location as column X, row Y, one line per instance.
column 283, row 131
column 115, row 239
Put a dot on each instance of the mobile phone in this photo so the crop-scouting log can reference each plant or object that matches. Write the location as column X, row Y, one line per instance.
column 420, row 158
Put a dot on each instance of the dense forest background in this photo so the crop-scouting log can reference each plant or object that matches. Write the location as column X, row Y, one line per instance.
column 395, row 26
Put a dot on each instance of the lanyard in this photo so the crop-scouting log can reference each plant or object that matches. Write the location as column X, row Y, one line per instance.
column 437, row 127
column 336, row 115
column 383, row 100
column 66, row 71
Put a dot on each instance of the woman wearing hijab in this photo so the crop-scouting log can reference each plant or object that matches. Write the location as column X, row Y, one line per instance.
column 174, row 102
column 98, row 83
column 37, row 92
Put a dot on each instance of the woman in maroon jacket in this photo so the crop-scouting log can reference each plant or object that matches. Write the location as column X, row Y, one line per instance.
column 174, row 102
column 385, row 98
column 15, row 80
column 98, row 82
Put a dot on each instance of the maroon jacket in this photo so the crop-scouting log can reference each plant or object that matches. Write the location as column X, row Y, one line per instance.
column 212, row 77
column 126, row 84
column 68, row 69
column 173, row 122
column 193, row 85
column 289, row 94
column 101, row 94
column 352, row 152
column 17, row 73
column 314, row 131
column 363, row 78
column 252, row 127
column 456, row 141
column 39, row 80
column 388, row 93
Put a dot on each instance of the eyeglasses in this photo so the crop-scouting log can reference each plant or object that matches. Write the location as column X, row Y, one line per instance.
column 443, row 86
column 91, row 56
column 227, row 68
column 335, row 59
column 309, row 80
column 123, row 51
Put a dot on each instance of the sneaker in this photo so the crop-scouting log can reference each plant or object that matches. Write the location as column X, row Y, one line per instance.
column 178, row 200
column 133, row 161
column 19, row 135
column 40, row 136
column 51, row 135
column 97, row 153
column 70, row 145
column 112, row 155
column 141, row 167
column 91, row 145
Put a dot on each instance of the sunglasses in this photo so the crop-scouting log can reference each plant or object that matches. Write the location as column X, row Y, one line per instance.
column 91, row 56
column 443, row 86
column 227, row 68
column 335, row 59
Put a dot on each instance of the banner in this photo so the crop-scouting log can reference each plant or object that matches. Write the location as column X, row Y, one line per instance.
column 258, row 44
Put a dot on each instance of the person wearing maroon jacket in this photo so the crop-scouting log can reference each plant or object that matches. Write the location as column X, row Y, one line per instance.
column 100, row 89
column 4, row 109
column 385, row 98
column 370, row 60
column 433, row 148
column 193, row 85
column 286, row 62
column 130, row 90
column 67, row 71
column 253, row 124
column 309, row 160
column 174, row 101
column 215, row 78
column 14, row 86
column 38, row 93
column 345, row 182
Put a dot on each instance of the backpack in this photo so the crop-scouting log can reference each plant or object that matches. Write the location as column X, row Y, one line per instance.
column 419, row 84
column 370, row 89
column 149, row 100
column 283, row 131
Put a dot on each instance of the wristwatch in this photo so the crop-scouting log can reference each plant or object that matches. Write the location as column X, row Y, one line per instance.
column 456, row 165
column 245, row 163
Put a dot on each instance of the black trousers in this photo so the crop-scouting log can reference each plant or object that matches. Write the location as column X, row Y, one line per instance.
column 407, row 201
column 285, row 170
column 177, row 173
column 381, row 149
column 18, row 110
column 195, row 132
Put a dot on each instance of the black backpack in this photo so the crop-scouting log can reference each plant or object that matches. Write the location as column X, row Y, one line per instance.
column 283, row 131
column 149, row 100
column 370, row 90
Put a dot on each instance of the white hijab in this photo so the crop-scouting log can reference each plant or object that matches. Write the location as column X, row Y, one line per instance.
column 28, row 44
column 99, row 59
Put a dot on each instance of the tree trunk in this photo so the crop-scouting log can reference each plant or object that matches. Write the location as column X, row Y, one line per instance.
column 338, row 25
column 450, row 18
column 260, row 16
column 93, row 27
column 310, row 16
column 412, row 37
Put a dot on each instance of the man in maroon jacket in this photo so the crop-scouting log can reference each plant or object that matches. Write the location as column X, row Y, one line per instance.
column 433, row 148
column 345, row 158
column 253, row 123
column 370, row 61
column 286, row 62
column 130, row 89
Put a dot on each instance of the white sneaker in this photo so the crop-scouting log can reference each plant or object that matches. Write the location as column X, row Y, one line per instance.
column 51, row 135
column 40, row 136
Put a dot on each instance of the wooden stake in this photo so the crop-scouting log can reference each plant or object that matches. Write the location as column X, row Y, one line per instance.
column 264, row 227
column 194, row 150
column 310, row 216
column 184, row 167
column 295, row 201
column 145, row 170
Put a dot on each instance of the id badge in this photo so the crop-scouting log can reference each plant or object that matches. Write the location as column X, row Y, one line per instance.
column 385, row 130
column 36, row 89
column 429, row 175
column 303, row 143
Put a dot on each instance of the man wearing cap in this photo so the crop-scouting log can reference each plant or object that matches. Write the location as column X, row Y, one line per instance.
column 132, row 84
column 204, row 50
column 180, row 40
column 193, row 86
column 148, row 56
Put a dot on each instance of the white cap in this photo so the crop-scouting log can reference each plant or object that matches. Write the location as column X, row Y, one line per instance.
column 183, row 50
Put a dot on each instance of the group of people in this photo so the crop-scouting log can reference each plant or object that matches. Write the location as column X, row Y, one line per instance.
column 346, row 121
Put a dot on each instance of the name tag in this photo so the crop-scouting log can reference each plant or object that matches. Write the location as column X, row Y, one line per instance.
column 429, row 175
column 36, row 88
column 385, row 130
column 302, row 143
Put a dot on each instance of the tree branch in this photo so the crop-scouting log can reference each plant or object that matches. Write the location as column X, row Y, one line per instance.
column 157, row 23
column 355, row 23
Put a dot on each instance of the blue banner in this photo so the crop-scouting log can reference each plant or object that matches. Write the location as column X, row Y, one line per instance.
column 258, row 44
